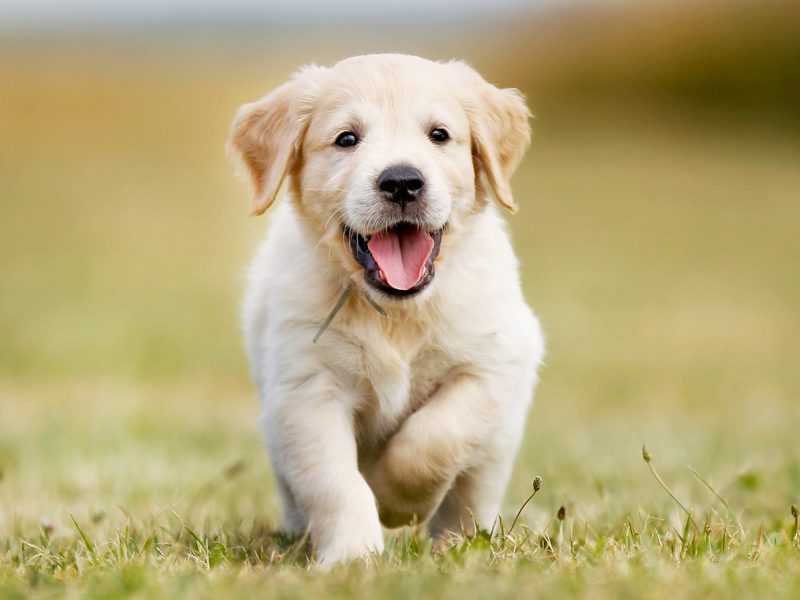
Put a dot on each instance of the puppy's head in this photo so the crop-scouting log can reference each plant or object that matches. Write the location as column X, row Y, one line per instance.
column 386, row 155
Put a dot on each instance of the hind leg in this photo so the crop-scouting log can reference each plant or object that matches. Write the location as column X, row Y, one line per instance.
column 474, row 499
column 477, row 493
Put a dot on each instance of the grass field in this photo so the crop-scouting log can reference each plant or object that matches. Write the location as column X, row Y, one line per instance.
column 659, row 247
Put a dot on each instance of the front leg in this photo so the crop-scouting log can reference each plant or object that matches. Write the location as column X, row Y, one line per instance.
column 433, row 445
column 312, row 443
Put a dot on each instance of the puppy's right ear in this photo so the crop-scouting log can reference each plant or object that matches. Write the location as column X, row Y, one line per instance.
column 267, row 134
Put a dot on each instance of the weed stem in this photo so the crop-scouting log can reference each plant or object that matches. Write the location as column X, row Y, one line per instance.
column 720, row 498
column 648, row 459
column 537, row 485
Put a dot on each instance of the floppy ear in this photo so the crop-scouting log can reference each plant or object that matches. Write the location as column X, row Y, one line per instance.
column 500, row 131
column 266, row 136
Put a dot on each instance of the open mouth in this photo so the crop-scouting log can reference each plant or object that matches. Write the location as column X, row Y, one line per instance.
column 398, row 261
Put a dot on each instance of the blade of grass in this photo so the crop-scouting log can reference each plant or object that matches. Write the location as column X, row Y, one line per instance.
column 721, row 499
column 336, row 308
column 85, row 538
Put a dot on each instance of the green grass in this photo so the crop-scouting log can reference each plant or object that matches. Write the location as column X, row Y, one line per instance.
column 659, row 248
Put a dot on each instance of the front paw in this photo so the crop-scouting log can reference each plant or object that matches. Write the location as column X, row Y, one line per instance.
column 359, row 540
column 400, row 503
column 351, row 531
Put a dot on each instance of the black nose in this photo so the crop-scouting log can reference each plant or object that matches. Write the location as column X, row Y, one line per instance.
column 401, row 184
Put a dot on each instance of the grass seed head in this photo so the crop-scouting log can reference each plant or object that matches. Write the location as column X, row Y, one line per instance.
column 646, row 454
column 794, row 511
column 537, row 483
column 562, row 513
column 47, row 526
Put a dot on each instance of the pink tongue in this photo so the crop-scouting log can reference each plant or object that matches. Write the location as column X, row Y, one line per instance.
column 401, row 254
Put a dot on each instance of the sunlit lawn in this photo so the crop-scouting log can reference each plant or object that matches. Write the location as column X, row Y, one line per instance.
column 660, row 249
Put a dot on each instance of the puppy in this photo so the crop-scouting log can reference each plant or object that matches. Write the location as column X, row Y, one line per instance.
column 410, row 406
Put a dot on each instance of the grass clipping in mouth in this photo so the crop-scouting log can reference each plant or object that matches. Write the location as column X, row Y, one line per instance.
column 338, row 306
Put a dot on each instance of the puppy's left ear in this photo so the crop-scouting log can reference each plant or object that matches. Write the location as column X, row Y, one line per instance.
column 499, row 119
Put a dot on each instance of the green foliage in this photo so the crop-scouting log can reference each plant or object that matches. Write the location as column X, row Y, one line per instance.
column 167, row 555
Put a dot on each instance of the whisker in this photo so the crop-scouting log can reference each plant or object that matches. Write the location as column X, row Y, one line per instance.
column 339, row 210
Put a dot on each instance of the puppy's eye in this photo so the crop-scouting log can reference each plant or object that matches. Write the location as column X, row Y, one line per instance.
column 346, row 139
column 439, row 135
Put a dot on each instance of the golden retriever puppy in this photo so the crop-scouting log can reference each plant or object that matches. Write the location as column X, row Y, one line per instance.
column 410, row 406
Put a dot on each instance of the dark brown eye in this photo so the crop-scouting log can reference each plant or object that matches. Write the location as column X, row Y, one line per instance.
column 346, row 139
column 439, row 135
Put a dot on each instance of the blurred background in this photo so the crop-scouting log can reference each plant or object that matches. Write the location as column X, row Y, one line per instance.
column 658, row 235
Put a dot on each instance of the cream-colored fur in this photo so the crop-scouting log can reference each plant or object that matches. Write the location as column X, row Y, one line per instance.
column 417, row 415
